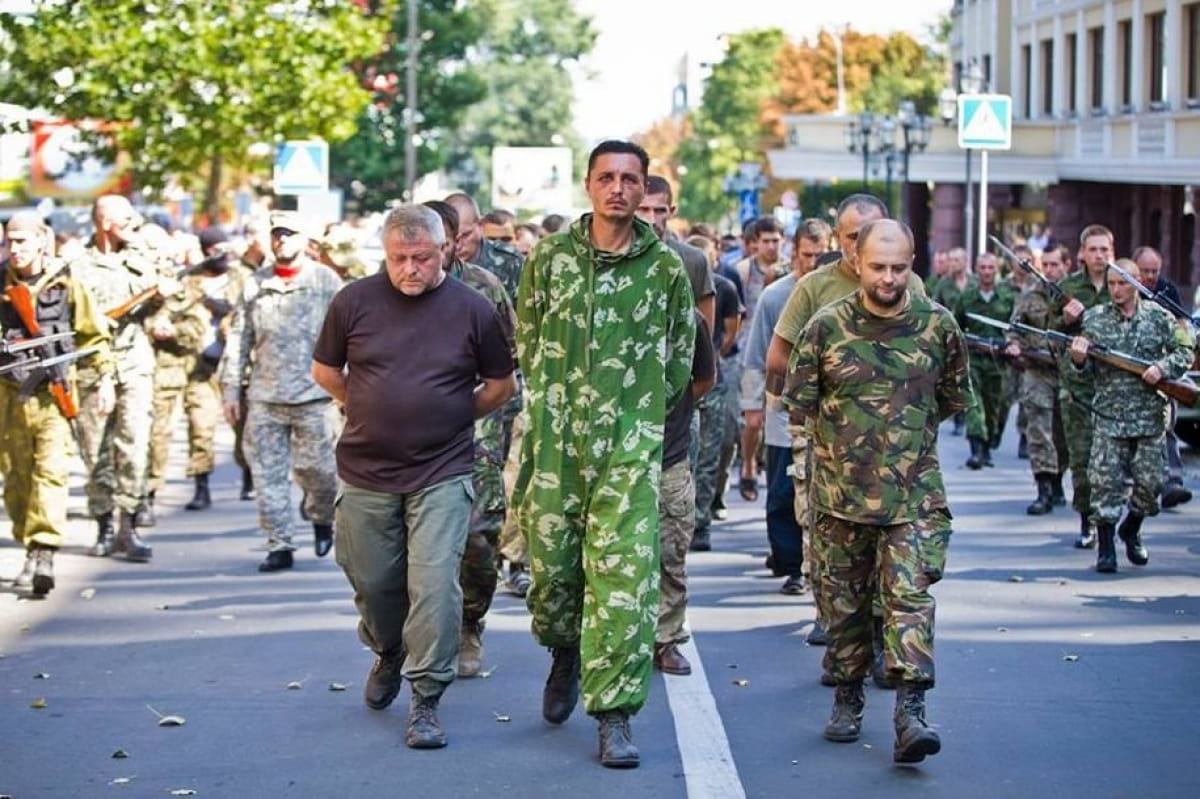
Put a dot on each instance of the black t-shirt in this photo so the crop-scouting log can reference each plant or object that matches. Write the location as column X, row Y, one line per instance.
column 413, row 364
column 728, row 304
column 677, row 429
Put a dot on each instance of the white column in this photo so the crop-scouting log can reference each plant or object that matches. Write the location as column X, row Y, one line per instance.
column 1111, row 56
column 1137, row 59
column 1173, row 55
column 1059, row 69
column 1083, row 97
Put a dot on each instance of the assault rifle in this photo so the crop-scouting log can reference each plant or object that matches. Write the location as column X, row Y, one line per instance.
column 996, row 349
column 22, row 301
column 22, row 344
column 1184, row 392
column 41, row 365
column 1153, row 296
column 1056, row 294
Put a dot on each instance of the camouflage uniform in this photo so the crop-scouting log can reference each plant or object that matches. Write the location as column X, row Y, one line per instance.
column 875, row 390
column 1076, row 393
column 986, row 419
column 605, row 342
column 36, row 443
column 503, row 262
column 275, row 328
column 676, row 519
column 478, row 574
column 202, row 398
column 116, row 448
column 176, row 359
column 1129, row 416
column 1039, row 386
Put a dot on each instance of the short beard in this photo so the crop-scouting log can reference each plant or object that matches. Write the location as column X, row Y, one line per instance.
column 887, row 303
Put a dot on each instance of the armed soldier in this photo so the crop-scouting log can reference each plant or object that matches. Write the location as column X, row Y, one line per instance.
column 36, row 407
column 1129, row 414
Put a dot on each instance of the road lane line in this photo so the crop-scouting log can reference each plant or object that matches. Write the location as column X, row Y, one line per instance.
column 708, row 763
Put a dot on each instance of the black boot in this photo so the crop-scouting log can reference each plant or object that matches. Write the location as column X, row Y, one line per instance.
column 879, row 674
column 104, row 536
column 1057, row 498
column 424, row 731
column 43, row 570
column 322, row 539
column 129, row 543
column 25, row 578
column 1131, row 533
column 985, row 454
column 616, row 740
column 201, row 499
column 845, row 722
column 914, row 740
column 1087, row 536
column 701, row 541
column 561, row 693
column 976, row 459
column 959, row 423
column 1023, row 448
column 1045, row 496
column 145, row 514
column 278, row 560
column 247, row 485
column 1106, row 558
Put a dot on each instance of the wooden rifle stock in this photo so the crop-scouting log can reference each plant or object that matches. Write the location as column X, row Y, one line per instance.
column 22, row 302
column 137, row 299
column 995, row 349
column 1182, row 391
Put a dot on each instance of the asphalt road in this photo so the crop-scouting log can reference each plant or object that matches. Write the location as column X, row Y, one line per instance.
column 1052, row 680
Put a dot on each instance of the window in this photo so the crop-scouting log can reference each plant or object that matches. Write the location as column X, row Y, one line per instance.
column 1192, row 43
column 987, row 73
column 1125, row 44
column 1072, row 71
column 1096, row 46
column 1156, row 30
column 1048, row 77
column 1027, row 79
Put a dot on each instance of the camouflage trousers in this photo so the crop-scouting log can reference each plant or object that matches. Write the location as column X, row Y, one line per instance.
column 478, row 574
column 116, row 448
column 512, row 543
column 285, row 440
column 988, row 414
column 731, row 439
column 852, row 560
column 676, row 522
column 35, row 461
column 595, row 578
column 713, row 424
column 202, row 405
column 1043, row 426
column 1077, row 428
column 1114, row 459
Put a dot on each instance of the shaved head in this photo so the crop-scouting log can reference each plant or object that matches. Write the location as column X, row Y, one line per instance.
column 887, row 230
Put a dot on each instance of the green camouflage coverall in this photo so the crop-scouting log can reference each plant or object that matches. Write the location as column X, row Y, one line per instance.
column 605, row 342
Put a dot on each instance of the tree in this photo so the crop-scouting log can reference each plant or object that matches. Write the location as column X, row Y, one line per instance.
column 193, row 83
column 369, row 165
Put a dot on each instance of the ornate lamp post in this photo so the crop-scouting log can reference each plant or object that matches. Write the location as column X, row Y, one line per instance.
column 916, row 129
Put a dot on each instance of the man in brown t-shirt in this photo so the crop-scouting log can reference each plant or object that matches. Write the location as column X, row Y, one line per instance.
column 414, row 387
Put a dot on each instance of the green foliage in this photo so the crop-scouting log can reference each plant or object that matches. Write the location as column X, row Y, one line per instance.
column 369, row 166
column 197, row 82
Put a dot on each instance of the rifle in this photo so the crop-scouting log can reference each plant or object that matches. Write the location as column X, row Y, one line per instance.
column 22, row 344
column 43, row 363
column 1183, row 391
column 996, row 349
column 1153, row 296
column 119, row 312
column 1056, row 294
column 22, row 302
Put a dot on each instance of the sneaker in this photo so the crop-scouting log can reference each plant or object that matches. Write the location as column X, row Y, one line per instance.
column 793, row 585
column 518, row 581
column 1175, row 494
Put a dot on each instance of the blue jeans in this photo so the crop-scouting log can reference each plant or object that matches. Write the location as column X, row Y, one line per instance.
column 783, row 531
column 401, row 554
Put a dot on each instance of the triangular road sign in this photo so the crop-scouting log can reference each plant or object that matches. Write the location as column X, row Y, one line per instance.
column 985, row 121
column 302, row 166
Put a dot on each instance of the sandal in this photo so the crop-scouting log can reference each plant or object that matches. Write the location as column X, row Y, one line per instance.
column 748, row 488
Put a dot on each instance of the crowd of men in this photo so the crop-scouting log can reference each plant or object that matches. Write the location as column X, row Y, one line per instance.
column 561, row 405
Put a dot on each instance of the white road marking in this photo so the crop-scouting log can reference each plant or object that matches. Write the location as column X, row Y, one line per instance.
column 708, row 763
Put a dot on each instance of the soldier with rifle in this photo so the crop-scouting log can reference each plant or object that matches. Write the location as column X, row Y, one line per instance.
column 47, row 321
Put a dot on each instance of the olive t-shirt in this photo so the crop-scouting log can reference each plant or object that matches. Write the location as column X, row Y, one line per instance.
column 413, row 364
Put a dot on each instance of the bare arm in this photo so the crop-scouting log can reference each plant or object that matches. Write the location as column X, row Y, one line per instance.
column 778, row 354
column 492, row 393
column 331, row 379
column 708, row 309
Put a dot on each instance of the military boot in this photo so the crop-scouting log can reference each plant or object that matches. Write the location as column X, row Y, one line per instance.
column 616, row 740
column 561, row 693
column 201, row 499
column 104, row 536
column 129, row 543
column 975, row 461
column 1131, row 533
column 985, row 454
column 43, row 570
column 1057, row 498
column 845, row 722
column 1087, row 536
column 25, row 578
column 879, row 674
column 247, row 485
column 1045, row 496
column 145, row 514
column 424, row 730
column 470, row 649
column 1106, row 557
column 914, row 740
column 1023, row 448
column 322, row 539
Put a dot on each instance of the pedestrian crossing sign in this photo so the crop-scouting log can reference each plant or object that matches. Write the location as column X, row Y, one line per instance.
column 302, row 166
column 985, row 121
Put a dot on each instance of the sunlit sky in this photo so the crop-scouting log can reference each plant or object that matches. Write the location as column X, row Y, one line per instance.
column 636, row 58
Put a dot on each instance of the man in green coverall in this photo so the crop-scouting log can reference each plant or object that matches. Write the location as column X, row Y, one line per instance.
column 605, row 334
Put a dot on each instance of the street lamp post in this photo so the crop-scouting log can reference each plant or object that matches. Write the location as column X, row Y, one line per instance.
column 916, row 129
column 860, row 133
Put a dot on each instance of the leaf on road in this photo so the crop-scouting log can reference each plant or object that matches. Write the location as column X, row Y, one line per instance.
column 120, row 754
column 162, row 607
column 741, row 683
column 336, row 686
column 501, row 717
column 38, row 703
column 226, row 617
column 1016, row 578
column 121, row 781
column 483, row 675
column 167, row 721
column 1001, row 629
column 295, row 685
column 42, row 675
column 183, row 792
column 1070, row 658
column 731, row 665
column 88, row 593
